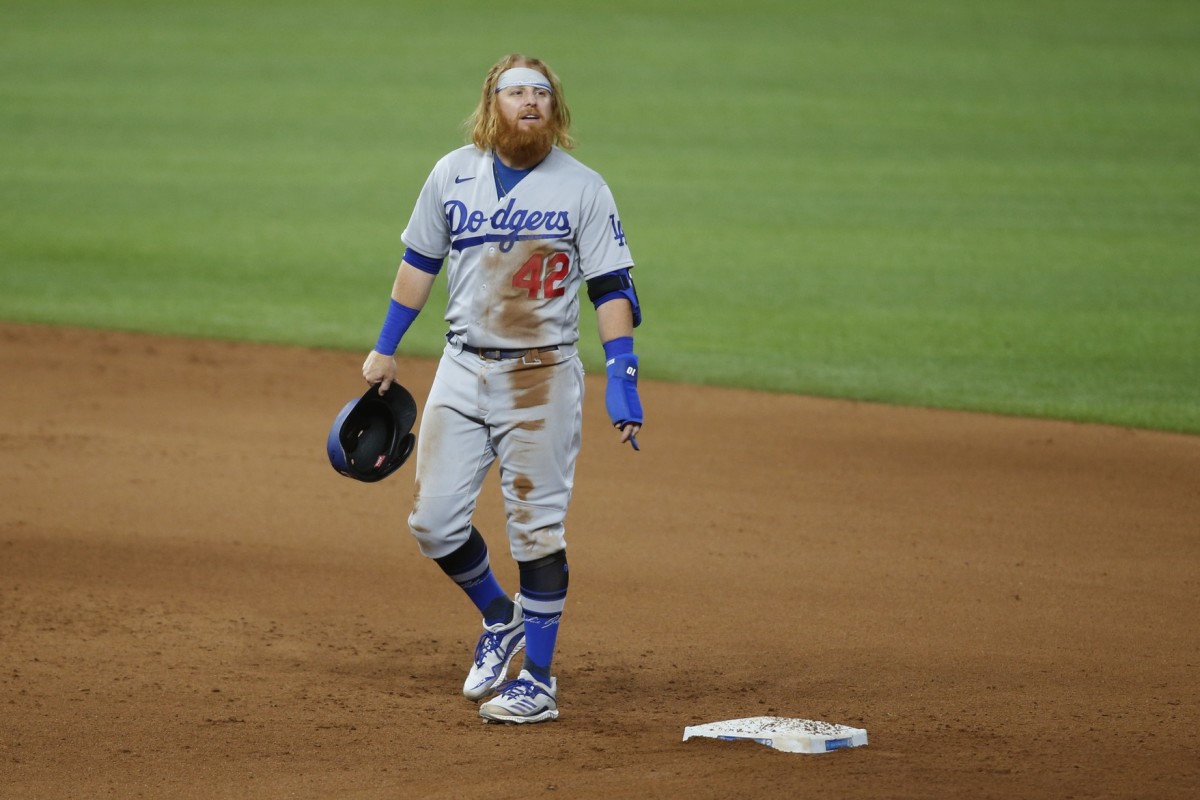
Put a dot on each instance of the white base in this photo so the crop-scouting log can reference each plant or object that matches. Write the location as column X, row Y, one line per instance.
column 782, row 733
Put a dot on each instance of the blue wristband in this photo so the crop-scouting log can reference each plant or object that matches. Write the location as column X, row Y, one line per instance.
column 399, row 318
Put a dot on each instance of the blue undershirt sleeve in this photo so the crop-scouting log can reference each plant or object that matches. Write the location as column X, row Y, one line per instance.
column 423, row 262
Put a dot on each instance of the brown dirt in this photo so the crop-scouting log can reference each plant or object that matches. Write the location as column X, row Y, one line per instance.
column 193, row 604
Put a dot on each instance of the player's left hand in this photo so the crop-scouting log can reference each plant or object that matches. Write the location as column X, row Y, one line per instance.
column 629, row 434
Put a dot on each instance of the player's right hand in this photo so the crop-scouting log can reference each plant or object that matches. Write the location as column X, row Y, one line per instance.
column 379, row 369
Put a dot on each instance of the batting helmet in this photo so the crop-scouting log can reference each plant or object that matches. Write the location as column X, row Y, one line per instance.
column 371, row 437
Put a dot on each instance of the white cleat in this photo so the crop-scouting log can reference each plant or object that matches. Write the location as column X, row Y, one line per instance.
column 523, row 700
column 496, row 648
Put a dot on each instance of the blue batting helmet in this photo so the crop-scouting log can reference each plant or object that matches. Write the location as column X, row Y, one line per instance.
column 371, row 437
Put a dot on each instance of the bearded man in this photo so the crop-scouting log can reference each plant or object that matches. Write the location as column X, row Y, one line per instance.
column 519, row 226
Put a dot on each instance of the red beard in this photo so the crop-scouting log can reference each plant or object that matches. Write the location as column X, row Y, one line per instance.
column 524, row 146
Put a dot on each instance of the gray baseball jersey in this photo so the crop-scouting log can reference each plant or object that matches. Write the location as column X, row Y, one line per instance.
column 515, row 263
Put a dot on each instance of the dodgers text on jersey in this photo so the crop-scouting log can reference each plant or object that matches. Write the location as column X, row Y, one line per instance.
column 464, row 220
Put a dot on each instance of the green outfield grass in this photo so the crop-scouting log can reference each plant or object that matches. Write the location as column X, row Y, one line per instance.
column 979, row 205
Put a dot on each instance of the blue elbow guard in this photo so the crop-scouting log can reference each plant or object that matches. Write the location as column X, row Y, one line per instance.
column 612, row 285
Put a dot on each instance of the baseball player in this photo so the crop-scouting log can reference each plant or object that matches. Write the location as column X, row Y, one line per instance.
column 520, row 227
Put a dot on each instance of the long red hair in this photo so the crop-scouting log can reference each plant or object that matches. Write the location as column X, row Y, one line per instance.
column 483, row 123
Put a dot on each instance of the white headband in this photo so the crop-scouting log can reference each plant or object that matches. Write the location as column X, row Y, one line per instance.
column 523, row 76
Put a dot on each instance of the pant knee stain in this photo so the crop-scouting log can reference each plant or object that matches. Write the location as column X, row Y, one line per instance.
column 522, row 485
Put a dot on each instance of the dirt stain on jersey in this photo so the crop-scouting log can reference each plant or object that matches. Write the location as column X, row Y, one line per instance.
column 532, row 425
column 516, row 293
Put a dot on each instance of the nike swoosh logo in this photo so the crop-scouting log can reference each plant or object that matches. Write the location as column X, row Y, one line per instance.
column 460, row 179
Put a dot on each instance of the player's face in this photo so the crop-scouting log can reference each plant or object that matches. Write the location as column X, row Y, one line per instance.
column 526, row 107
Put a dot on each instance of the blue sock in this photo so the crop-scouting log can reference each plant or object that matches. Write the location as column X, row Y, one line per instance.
column 469, row 567
column 543, row 596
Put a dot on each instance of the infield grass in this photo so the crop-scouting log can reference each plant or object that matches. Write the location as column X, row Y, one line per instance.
column 988, row 206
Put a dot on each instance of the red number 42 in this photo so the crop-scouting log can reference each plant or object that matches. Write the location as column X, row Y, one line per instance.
column 542, row 275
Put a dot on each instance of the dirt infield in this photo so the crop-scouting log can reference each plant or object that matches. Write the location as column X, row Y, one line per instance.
column 193, row 604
